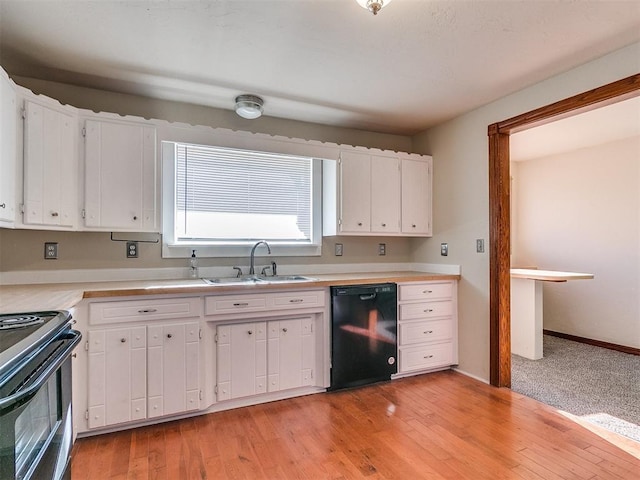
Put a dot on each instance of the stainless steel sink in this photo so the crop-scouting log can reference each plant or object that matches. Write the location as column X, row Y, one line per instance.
column 231, row 280
column 285, row 279
column 258, row 279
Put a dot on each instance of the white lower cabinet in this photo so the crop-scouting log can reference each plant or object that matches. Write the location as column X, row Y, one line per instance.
column 142, row 372
column 427, row 326
column 261, row 357
column 117, row 376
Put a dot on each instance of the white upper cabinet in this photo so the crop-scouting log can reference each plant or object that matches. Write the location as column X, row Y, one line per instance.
column 385, row 195
column 355, row 192
column 50, row 166
column 382, row 195
column 120, row 176
column 416, row 197
column 8, row 143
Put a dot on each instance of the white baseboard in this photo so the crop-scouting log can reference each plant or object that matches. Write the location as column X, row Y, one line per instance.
column 467, row 374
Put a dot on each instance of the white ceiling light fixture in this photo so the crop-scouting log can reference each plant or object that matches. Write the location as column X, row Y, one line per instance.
column 374, row 6
column 249, row 106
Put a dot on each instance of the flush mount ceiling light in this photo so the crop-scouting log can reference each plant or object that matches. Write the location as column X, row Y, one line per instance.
column 374, row 6
column 249, row 106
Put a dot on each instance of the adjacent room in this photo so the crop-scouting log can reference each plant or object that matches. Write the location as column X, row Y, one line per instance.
column 576, row 208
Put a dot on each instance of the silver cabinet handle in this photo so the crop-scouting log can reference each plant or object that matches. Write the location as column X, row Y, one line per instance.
column 242, row 304
column 148, row 310
column 428, row 332
column 427, row 291
column 3, row 205
column 135, row 217
column 359, row 224
column 250, row 332
column 169, row 335
column 428, row 356
column 284, row 330
column 413, row 225
column 296, row 300
column 384, row 224
column 123, row 340
column 428, row 310
column 54, row 214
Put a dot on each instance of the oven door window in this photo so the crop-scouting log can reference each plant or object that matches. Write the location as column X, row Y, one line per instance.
column 36, row 426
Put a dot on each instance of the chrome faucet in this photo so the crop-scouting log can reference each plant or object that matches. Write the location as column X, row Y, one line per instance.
column 253, row 251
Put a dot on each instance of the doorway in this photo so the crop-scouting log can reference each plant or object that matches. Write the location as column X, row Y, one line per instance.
column 499, row 208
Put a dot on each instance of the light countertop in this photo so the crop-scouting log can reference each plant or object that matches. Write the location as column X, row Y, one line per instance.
column 548, row 275
column 64, row 296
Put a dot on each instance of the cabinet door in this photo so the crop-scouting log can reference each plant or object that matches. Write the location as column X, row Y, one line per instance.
column 355, row 192
column 50, row 167
column 120, row 176
column 416, row 197
column 290, row 353
column 117, row 376
column 385, row 195
column 8, row 141
column 241, row 360
column 173, row 371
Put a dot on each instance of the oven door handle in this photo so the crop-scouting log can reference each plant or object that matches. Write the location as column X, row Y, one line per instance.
column 72, row 339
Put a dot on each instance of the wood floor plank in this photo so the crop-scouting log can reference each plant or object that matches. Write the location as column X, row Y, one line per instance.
column 437, row 426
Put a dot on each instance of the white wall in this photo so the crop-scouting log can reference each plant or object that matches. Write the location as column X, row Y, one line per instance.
column 580, row 211
column 461, row 191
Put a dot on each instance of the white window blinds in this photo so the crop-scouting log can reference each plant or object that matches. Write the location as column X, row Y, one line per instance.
column 228, row 195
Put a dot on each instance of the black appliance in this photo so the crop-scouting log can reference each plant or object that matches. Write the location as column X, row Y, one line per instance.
column 36, row 432
column 363, row 334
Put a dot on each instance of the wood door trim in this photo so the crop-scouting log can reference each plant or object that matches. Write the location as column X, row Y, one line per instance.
column 499, row 208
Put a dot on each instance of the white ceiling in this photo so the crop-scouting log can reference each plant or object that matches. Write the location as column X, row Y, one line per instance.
column 416, row 64
column 606, row 124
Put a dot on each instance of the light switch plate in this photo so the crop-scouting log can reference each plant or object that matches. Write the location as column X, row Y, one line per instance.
column 480, row 245
column 382, row 249
column 338, row 250
column 444, row 249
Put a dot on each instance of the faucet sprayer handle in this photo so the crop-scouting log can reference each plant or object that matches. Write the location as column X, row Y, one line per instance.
column 239, row 271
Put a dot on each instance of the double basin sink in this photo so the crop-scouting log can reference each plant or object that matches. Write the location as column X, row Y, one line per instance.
column 258, row 279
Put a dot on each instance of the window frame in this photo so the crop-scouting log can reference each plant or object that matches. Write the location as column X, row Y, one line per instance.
column 172, row 249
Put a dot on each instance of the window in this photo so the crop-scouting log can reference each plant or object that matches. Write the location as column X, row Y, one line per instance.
column 224, row 199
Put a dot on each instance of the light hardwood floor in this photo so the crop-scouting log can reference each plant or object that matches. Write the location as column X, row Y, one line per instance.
column 438, row 426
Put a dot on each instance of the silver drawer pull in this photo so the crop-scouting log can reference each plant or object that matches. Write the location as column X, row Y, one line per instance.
column 428, row 332
column 428, row 356
column 169, row 335
column 123, row 340
column 54, row 214
column 427, row 291
column 428, row 310
column 359, row 224
column 284, row 330
column 3, row 205
column 148, row 310
column 384, row 224
column 296, row 300
column 250, row 332
column 241, row 304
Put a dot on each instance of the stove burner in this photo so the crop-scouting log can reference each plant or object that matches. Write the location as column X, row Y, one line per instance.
column 19, row 321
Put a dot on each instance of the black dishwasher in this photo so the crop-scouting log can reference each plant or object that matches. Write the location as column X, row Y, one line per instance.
column 363, row 334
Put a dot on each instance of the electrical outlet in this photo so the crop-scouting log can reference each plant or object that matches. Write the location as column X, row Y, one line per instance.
column 444, row 249
column 50, row 251
column 382, row 249
column 338, row 250
column 132, row 249
column 480, row 245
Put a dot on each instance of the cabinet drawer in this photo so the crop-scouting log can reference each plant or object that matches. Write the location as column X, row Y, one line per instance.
column 144, row 310
column 425, row 291
column 421, row 332
column 426, row 357
column 302, row 299
column 234, row 304
column 414, row 311
column 268, row 302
